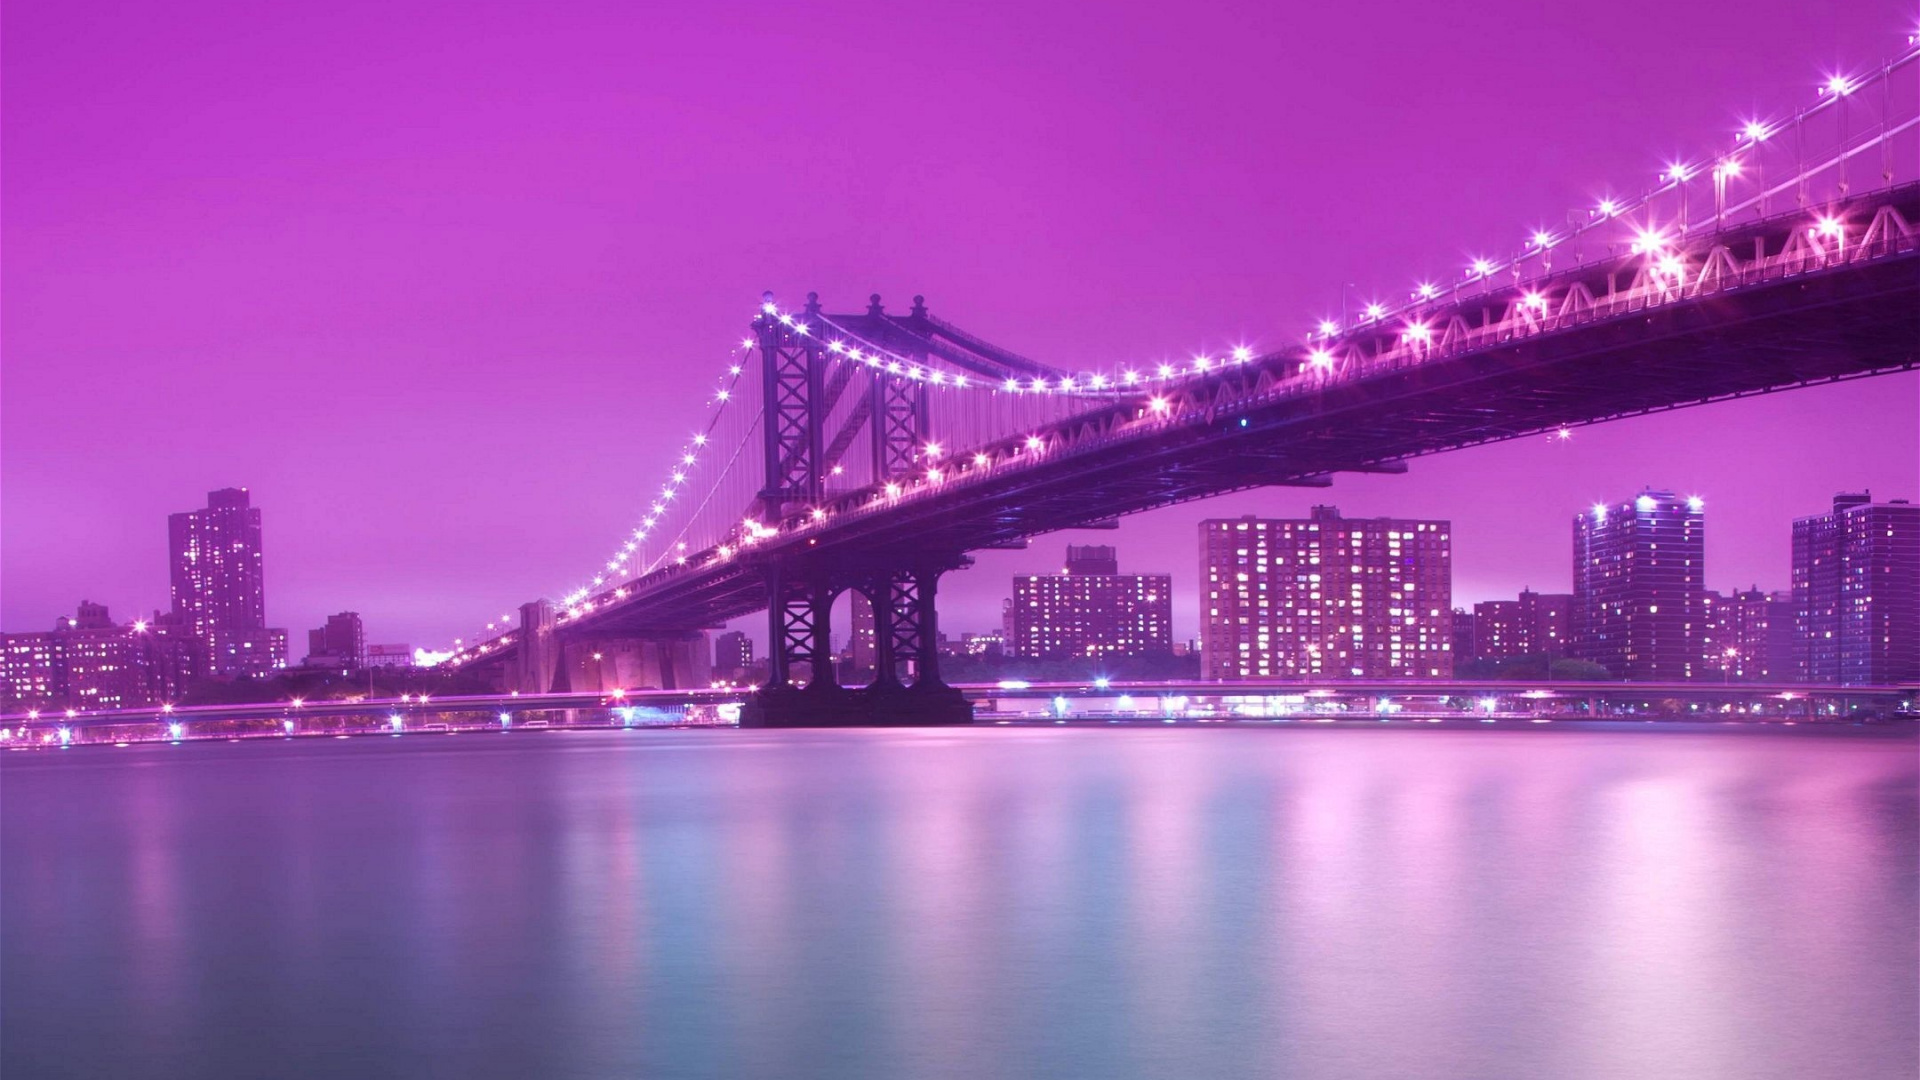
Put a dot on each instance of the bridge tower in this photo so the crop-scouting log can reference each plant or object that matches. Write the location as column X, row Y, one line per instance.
column 792, row 368
column 899, row 411
column 801, row 589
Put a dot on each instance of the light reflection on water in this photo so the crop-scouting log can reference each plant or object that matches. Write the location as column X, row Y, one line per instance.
column 987, row 902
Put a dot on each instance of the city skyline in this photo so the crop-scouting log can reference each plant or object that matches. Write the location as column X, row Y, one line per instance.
column 972, row 602
column 397, row 404
column 1003, row 539
column 1872, row 569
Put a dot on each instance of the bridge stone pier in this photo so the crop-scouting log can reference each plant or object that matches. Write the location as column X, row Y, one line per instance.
column 546, row 662
column 656, row 662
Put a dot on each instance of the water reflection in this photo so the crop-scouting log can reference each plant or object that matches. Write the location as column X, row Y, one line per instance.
column 1034, row 902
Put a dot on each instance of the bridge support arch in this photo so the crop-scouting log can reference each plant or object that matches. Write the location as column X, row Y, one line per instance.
column 907, row 689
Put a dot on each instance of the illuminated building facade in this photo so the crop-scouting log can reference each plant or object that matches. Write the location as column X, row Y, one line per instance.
column 1326, row 597
column 215, row 560
column 1535, row 624
column 1639, row 606
column 1856, row 592
column 88, row 662
column 1749, row 636
column 1090, row 609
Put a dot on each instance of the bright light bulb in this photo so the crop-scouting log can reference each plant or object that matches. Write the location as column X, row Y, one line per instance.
column 1242, row 354
column 1374, row 311
column 1427, row 291
column 1608, row 207
column 1329, row 327
column 1755, row 131
column 1839, row 86
column 1542, row 239
column 1482, row 267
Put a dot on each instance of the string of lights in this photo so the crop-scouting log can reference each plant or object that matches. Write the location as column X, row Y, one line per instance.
column 1651, row 238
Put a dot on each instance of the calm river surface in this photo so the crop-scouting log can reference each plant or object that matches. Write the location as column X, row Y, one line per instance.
column 995, row 902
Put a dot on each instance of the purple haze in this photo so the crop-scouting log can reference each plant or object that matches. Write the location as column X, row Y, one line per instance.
column 426, row 277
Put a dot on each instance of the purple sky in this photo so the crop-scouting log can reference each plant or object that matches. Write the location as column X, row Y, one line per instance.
column 427, row 276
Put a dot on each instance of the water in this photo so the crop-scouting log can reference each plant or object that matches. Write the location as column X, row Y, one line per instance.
column 1043, row 902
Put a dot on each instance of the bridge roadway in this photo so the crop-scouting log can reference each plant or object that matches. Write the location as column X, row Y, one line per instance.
column 1877, row 696
column 1750, row 310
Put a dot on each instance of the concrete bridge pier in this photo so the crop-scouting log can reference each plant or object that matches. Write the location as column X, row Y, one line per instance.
column 538, row 656
column 604, row 663
column 546, row 662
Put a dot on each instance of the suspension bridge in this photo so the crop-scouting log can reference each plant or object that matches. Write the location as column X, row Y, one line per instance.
column 870, row 451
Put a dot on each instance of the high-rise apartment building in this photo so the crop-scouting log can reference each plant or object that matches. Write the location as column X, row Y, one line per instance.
column 342, row 642
column 1535, row 624
column 89, row 662
column 1749, row 636
column 1090, row 609
column 732, row 655
column 1638, row 586
column 1327, row 597
column 217, row 584
column 863, row 642
column 1856, row 592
